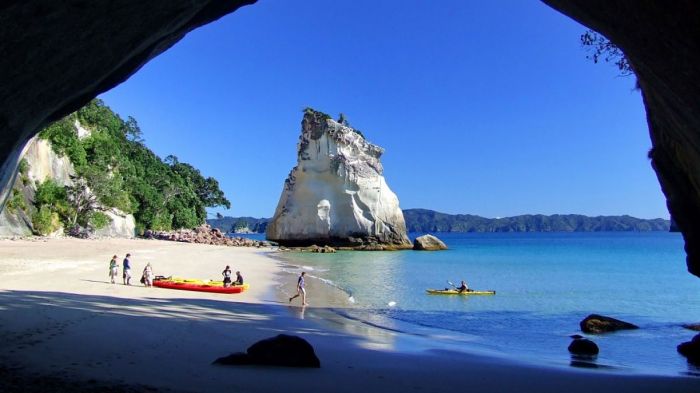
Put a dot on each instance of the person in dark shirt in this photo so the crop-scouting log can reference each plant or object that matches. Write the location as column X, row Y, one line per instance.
column 463, row 287
column 239, row 279
column 126, row 269
column 227, row 276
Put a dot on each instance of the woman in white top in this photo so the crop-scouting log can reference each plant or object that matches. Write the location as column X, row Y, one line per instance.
column 148, row 275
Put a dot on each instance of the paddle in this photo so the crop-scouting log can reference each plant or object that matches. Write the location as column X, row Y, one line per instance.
column 450, row 282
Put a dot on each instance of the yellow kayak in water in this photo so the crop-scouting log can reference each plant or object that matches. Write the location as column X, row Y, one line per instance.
column 456, row 292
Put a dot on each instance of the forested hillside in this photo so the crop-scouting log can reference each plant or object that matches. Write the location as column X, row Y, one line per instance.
column 424, row 220
column 113, row 162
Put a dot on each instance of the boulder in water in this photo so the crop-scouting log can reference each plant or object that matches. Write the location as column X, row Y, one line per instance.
column 595, row 323
column 583, row 346
column 428, row 243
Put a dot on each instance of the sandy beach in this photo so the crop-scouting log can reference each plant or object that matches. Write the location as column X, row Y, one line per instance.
column 63, row 322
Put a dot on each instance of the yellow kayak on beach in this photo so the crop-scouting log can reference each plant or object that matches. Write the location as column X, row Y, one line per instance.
column 456, row 292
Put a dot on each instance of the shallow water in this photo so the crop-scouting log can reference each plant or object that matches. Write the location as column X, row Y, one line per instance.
column 546, row 284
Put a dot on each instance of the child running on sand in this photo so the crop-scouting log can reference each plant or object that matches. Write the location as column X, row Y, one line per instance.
column 300, row 290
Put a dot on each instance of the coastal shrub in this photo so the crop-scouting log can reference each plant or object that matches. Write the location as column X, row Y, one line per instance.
column 64, row 140
column 98, row 220
column 52, row 196
column 16, row 202
column 45, row 221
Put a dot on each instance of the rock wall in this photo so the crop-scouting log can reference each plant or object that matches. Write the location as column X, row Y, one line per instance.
column 58, row 55
column 44, row 163
column 336, row 195
column 661, row 40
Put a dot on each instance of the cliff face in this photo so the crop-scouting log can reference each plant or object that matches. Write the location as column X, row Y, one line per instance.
column 44, row 163
column 660, row 40
column 336, row 194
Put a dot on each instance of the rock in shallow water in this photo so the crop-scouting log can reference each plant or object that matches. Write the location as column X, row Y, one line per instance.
column 595, row 323
column 428, row 243
column 282, row 350
column 691, row 350
column 583, row 346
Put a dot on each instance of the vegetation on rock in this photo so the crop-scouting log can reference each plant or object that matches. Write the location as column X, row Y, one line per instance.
column 120, row 172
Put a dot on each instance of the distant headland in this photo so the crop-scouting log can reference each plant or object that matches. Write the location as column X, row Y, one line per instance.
column 425, row 220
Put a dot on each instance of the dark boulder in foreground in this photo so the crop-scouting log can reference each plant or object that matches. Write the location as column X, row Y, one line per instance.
column 428, row 243
column 282, row 350
column 583, row 346
column 595, row 323
column 691, row 350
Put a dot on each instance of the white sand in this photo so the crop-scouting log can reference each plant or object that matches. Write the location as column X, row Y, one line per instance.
column 59, row 315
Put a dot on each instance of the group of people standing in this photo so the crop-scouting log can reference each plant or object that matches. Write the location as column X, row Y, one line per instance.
column 227, row 277
column 146, row 277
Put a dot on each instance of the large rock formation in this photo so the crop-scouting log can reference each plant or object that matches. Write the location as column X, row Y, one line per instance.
column 661, row 40
column 336, row 194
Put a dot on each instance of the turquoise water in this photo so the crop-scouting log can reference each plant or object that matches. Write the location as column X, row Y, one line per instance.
column 546, row 284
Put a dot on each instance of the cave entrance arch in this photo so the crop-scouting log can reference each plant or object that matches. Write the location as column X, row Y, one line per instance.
column 50, row 41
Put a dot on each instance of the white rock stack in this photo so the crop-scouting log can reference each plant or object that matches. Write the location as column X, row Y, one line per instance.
column 336, row 194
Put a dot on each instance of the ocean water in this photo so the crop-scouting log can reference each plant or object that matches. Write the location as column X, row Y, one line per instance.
column 546, row 284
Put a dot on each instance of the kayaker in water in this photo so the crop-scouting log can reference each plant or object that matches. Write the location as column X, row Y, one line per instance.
column 227, row 276
column 113, row 269
column 239, row 279
column 463, row 287
column 300, row 290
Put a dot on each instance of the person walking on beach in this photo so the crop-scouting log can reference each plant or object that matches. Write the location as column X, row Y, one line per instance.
column 300, row 290
column 239, row 279
column 227, row 276
column 148, row 275
column 126, row 270
column 113, row 269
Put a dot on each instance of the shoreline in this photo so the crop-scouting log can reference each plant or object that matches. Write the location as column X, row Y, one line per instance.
column 79, row 327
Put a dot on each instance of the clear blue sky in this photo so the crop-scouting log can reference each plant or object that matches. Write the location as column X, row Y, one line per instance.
column 483, row 107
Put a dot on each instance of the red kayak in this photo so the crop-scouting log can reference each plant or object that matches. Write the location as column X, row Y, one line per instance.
column 196, row 285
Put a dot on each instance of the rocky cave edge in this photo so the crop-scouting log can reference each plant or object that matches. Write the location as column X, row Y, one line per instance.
column 59, row 55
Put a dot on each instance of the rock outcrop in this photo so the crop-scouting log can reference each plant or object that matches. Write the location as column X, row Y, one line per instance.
column 204, row 234
column 43, row 163
column 281, row 350
column 428, row 243
column 691, row 350
column 595, row 323
column 582, row 346
column 336, row 195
